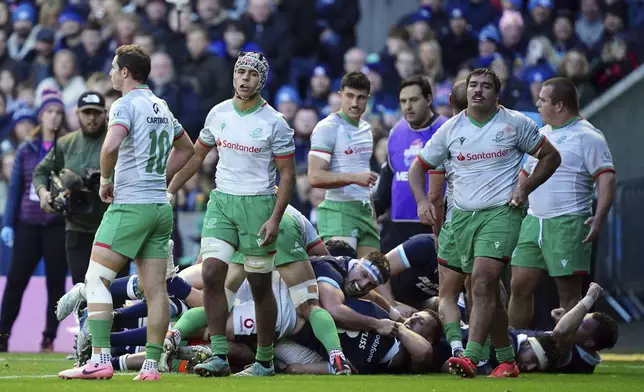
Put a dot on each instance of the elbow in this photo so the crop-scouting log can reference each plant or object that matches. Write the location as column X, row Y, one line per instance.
column 314, row 180
column 556, row 159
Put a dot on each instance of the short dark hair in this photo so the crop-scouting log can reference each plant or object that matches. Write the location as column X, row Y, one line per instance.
column 420, row 81
column 459, row 95
column 339, row 248
column 485, row 72
column 564, row 91
column 196, row 28
column 606, row 333
column 92, row 25
column 356, row 80
column 136, row 60
column 400, row 32
column 381, row 261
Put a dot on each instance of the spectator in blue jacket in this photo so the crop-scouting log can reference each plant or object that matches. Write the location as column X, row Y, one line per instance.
column 32, row 233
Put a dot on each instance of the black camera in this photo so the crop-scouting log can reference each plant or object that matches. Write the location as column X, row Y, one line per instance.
column 73, row 194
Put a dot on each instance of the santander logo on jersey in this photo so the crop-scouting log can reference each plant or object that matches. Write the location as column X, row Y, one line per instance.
column 358, row 150
column 238, row 146
column 483, row 155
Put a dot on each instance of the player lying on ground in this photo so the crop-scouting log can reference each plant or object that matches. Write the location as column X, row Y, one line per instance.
column 571, row 347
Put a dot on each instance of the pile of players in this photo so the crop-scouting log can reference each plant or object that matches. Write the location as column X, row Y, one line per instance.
column 267, row 294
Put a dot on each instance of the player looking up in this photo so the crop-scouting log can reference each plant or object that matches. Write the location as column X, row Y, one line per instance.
column 138, row 153
column 253, row 140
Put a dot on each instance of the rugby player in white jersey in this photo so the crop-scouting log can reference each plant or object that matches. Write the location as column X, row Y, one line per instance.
column 485, row 145
column 556, row 236
column 253, row 140
column 137, row 155
column 339, row 161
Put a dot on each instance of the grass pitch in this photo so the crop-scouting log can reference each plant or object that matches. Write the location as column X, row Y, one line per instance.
column 33, row 372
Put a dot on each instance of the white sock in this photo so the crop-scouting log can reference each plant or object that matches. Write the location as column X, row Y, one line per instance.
column 123, row 362
column 105, row 356
column 456, row 345
column 149, row 364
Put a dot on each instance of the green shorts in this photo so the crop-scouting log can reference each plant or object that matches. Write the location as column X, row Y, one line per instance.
column 492, row 233
column 290, row 246
column 137, row 231
column 554, row 245
column 348, row 219
column 447, row 254
column 237, row 220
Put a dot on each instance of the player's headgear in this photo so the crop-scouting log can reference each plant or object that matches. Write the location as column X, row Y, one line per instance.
column 255, row 61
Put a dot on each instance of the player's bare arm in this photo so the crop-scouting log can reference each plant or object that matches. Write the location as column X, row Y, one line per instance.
column 419, row 349
column 418, row 184
column 189, row 170
column 332, row 299
column 549, row 160
column 435, row 196
column 181, row 153
column 384, row 303
column 566, row 328
column 606, row 185
column 109, row 154
column 286, row 167
column 321, row 177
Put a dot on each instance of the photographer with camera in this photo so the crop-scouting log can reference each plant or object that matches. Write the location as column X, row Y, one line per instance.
column 67, row 182
column 37, row 234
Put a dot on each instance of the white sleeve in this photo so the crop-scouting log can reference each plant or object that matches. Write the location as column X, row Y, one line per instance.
column 120, row 115
column 207, row 136
column 435, row 150
column 283, row 144
column 597, row 156
column 529, row 139
column 323, row 141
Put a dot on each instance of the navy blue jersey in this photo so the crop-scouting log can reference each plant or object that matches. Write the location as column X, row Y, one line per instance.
column 419, row 280
column 329, row 269
column 369, row 352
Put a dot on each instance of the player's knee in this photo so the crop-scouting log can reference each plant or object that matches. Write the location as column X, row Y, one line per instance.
column 214, row 248
column 214, row 271
column 302, row 294
column 482, row 287
column 259, row 264
column 98, row 278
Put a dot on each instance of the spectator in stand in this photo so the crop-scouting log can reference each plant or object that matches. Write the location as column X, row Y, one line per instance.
column 539, row 20
column 354, row 61
column 40, row 68
column 563, row 33
column 37, row 234
column 337, row 20
column 616, row 61
column 70, row 30
column 397, row 40
column 514, row 93
column 269, row 31
column 5, row 116
column 145, row 39
column 334, row 103
column 590, row 26
column 431, row 60
column 23, row 39
column 287, row 101
column 175, row 42
column 207, row 73
column 305, row 120
column 513, row 38
column 235, row 40
column 127, row 25
column 213, row 17
column 480, row 13
column 180, row 97
column 458, row 44
column 92, row 54
column 155, row 19
column 489, row 43
column 65, row 79
column 6, row 62
column 23, row 121
column 575, row 66
column 9, row 87
column 318, row 95
column 419, row 27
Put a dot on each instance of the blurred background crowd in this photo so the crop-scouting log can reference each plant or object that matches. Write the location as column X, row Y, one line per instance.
column 68, row 46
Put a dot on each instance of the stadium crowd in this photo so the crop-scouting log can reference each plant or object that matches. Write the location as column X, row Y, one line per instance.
column 53, row 52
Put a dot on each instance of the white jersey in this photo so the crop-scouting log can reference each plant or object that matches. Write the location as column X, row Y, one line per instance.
column 311, row 236
column 244, row 320
column 485, row 157
column 584, row 156
column 348, row 148
column 248, row 143
column 139, row 176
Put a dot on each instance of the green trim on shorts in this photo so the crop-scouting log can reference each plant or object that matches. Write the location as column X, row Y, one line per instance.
column 348, row 219
column 136, row 231
column 554, row 245
column 490, row 233
column 447, row 255
column 237, row 220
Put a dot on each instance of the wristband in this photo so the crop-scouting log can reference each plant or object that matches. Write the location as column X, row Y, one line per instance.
column 105, row 181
